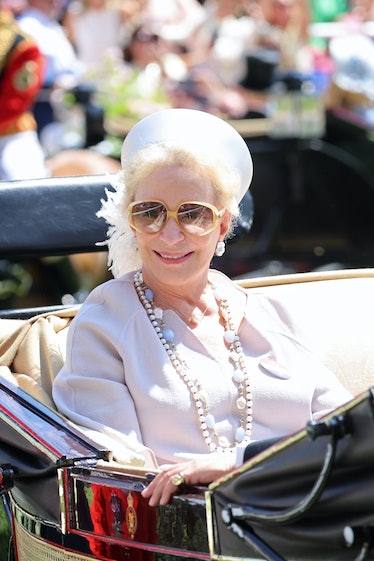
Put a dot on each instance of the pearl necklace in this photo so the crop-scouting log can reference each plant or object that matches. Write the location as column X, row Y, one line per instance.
column 215, row 442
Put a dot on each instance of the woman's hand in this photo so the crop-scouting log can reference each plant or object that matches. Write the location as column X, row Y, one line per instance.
column 193, row 472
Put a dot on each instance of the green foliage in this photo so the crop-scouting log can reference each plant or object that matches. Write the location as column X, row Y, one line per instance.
column 14, row 281
column 124, row 91
column 4, row 534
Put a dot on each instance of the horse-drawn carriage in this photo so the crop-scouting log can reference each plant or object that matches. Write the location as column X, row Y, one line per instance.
column 305, row 497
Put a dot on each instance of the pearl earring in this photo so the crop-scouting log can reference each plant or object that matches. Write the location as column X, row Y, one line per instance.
column 134, row 243
column 220, row 249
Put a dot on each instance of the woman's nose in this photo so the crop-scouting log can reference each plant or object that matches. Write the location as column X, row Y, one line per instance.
column 171, row 232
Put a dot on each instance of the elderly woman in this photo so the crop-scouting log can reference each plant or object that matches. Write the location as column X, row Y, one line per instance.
column 171, row 360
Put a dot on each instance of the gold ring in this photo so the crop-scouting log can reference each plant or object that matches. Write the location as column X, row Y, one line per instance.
column 178, row 479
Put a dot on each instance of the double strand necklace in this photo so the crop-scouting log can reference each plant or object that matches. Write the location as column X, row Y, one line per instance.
column 214, row 441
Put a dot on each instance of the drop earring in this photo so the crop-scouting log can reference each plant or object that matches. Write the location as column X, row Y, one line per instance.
column 220, row 249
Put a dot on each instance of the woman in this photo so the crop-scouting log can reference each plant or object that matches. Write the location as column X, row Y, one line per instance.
column 94, row 27
column 176, row 362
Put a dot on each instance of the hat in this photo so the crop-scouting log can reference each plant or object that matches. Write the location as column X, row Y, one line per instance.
column 197, row 130
column 354, row 59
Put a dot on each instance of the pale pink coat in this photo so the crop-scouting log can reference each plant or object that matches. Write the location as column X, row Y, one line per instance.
column 118, row 381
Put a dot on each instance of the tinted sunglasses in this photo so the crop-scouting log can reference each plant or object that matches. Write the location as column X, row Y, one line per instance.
column 193, row 218
column 145, row 37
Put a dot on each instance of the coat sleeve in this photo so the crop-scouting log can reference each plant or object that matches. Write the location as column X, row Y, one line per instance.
column 91, row 388
column 21, row 80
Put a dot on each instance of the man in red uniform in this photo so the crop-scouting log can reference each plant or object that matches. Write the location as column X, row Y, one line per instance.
column 21, row 74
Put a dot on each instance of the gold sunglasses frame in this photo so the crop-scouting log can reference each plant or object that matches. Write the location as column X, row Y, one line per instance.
column 217, row 214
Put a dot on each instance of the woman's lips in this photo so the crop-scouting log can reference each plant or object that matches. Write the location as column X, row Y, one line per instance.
column 174, row 258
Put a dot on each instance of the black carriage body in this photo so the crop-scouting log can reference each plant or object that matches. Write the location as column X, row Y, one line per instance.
column 104, row 517
column 69, row 502
column 307, row 497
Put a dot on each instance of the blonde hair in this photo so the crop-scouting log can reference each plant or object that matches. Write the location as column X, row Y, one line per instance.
column 122, row 256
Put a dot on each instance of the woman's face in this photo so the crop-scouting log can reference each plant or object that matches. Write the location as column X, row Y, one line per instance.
column 170, row 255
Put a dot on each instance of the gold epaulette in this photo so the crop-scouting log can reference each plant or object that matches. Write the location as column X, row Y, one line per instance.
column 21, row 123
column 9, row 30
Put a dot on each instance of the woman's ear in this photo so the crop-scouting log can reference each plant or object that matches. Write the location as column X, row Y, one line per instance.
column 225, row 223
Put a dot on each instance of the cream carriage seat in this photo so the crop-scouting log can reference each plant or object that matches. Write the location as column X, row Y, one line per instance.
column 334, row 309
column 32, row 351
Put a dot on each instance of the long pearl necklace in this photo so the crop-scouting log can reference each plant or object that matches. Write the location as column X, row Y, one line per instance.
column 215, row 442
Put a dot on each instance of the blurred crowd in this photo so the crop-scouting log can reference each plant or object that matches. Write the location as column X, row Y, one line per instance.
column 131, row 57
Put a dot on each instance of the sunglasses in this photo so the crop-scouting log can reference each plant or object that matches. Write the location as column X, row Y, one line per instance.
column 145, row 37
column 193, row 218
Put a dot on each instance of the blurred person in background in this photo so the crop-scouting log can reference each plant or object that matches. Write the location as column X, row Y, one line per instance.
column 184, row 75
column 21, row 75
column 131, row 84
column 192, row 78
column 232, row 26
column 273, row 45
column 40, row 19
column 352, row 52
column 284, row 25
column 215, row 60
column 175, row 20
column 145, row 46
column 93, row 27
column 355, row 15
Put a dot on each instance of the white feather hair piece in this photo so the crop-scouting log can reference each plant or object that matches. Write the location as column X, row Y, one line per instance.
column 122, row 256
